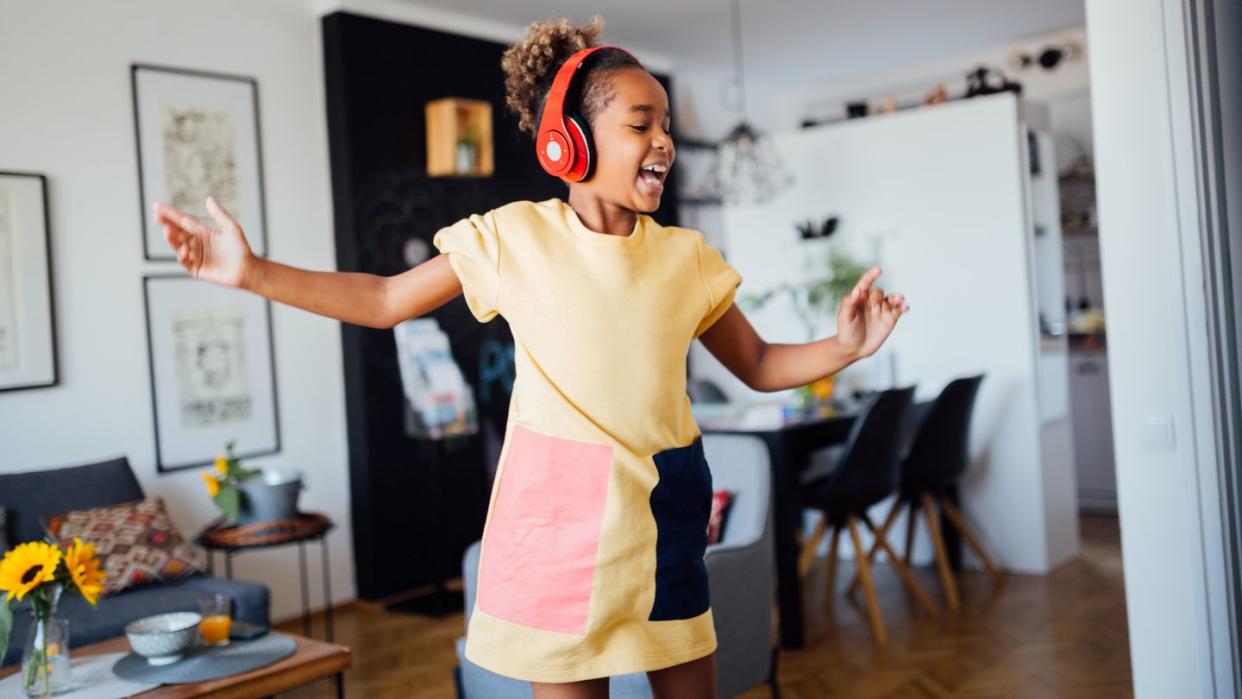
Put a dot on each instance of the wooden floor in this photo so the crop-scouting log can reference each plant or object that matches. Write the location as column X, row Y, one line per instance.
column 1062, row 635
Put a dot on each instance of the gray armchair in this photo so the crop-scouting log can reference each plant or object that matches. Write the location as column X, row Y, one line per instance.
column 740, row 571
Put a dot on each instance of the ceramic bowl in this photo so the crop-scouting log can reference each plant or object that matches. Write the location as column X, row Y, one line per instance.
column 163, row 638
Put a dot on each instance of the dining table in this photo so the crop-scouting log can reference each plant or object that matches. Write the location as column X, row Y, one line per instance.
column 792, row 436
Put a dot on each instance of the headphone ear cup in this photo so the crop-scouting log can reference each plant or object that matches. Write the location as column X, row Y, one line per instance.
column 584, row 156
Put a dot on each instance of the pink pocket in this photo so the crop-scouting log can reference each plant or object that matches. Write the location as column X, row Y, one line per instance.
column 538, row 558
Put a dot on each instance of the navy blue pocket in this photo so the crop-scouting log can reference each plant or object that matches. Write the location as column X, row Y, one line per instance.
column 681, row 503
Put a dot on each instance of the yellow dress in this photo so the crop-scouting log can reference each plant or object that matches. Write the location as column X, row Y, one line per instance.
column 591, row 562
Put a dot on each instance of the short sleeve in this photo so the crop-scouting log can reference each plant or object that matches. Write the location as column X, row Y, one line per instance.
column 473, row 247
column 720, row 281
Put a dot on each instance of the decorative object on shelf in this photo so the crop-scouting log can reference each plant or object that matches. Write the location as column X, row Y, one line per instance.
column 1049, row 58
column 938, row 95
column 198, row 134
column 856, row 110
column 986, row 80
column 41, row 572
column 212, row 371
column 809, row 230
column 27, row 323
column 818, row 296
column 751, row 171
column 459, row 137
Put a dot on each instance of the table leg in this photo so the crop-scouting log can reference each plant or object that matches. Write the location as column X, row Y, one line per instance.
column 211, row 562
column 306, row 625
column 327, row 588
column 228, row 564
column 340, row 685
column 786, row 518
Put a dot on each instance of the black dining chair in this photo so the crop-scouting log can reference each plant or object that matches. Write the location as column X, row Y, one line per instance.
column 867, row 470
column 937, row 460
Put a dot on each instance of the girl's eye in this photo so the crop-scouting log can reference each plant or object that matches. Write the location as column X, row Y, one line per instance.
column 638, row 127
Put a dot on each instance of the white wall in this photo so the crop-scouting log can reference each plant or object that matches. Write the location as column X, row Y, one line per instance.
column 936, row 197
column 66, row 111
column 1153, row 287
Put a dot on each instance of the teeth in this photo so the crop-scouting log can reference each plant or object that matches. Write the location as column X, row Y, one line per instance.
column 657, row 168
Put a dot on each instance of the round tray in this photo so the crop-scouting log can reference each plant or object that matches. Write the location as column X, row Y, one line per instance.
column 203, row 663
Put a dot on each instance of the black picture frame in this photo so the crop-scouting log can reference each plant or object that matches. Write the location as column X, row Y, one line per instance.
column 41, row 181
column 207, row 459
column 257, row 238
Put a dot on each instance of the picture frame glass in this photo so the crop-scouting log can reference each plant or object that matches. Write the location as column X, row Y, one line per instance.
column 198, row 135
column 212, row 371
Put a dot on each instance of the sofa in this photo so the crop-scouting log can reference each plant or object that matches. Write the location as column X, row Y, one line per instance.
column 740, row 570
column 27, row 497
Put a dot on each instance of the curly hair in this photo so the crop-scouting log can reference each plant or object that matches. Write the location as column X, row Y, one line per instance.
column 531, row 63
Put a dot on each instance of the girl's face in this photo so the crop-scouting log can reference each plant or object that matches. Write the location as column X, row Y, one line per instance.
column 632, row 137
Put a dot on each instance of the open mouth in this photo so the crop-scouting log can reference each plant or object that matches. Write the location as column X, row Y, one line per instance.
column 651, row 178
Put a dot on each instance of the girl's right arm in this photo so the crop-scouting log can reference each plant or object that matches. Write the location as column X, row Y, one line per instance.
column 223, row 256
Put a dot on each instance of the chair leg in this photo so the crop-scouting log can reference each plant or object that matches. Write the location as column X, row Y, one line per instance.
column 942, row 556
column 875, row 547
column 971, row 538
column 864, row 571
column 902, row 571
column 831, row 577
column 808, row 549
column 912, row 521
column 773, row 682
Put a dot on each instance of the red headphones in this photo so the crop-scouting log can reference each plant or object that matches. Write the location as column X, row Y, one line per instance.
column 563, row 145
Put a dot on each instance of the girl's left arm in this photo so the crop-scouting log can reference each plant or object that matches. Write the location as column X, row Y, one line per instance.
column 865, row 320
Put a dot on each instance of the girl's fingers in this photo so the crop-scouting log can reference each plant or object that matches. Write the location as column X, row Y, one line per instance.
column 218, row 213
column 864, row 282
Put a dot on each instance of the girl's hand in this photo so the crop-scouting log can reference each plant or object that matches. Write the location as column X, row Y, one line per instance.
column 867, row 316
column 219, row 255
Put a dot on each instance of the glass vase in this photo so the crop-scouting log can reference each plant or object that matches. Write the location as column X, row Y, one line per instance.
column 45, row 658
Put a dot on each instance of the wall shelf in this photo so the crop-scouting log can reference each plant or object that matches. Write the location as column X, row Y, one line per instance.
column 459, row 137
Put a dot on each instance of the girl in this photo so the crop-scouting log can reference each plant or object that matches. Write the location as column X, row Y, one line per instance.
column 592, row 556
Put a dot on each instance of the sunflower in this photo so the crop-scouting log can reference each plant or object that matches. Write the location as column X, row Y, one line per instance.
column 213, row 485
column 28, row 566
column 84, row 570
column 222, row 465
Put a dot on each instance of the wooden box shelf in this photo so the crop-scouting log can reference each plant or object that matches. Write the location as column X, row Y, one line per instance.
column 459, row 137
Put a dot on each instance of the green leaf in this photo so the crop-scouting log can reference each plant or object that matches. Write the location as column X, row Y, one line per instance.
column 6, row 627
column 228, row 501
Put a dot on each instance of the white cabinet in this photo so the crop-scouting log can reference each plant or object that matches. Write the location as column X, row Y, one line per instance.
column 1093, row 431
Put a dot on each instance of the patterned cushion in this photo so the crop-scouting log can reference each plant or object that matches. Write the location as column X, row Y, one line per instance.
column 136, row 542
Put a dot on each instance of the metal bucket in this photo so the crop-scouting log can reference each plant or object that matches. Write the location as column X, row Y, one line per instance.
column 271, row 495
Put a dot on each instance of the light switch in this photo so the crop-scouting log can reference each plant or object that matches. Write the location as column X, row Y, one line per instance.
column 1158, row 433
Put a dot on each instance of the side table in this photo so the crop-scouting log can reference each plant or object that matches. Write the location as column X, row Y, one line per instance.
column 232, row 539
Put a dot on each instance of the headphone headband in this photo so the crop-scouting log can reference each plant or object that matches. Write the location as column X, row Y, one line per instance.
column 561, row 145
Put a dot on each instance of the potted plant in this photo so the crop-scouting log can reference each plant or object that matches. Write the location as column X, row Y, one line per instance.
column 246, row 495
column 814, row 299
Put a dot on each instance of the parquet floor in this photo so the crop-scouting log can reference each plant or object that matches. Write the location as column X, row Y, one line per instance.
column 1061, row 636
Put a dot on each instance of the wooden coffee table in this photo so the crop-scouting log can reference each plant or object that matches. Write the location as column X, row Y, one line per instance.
column 311, row 662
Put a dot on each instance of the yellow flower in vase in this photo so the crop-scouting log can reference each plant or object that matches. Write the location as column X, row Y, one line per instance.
column 28, row 566
column 213, row 484
column 222, row 465
column 84, row 570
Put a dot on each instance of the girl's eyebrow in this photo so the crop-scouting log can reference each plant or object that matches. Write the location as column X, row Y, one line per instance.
column 646, row 108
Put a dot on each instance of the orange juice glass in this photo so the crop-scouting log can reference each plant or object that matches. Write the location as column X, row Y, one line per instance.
column 217, row 612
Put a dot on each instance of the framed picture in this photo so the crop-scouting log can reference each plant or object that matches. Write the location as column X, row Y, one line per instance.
column 27, row 322
column 198, row 134
column 213, row 377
